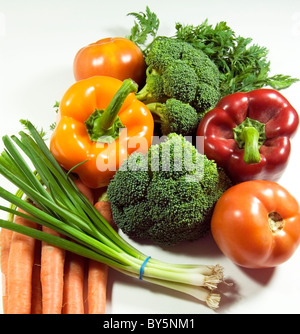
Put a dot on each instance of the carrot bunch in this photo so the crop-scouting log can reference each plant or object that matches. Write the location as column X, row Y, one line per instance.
column 39, row 278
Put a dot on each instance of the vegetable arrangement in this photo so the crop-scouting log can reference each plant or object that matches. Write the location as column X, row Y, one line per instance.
column 60, row 206
column 202, row 82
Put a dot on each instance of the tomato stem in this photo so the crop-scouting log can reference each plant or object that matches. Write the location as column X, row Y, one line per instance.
column 276, row 222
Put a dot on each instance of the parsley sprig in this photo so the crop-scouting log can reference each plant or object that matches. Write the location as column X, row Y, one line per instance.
column 243, row 66
column 145, row 26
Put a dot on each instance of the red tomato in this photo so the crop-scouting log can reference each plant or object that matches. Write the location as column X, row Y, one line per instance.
column 256, row 224
column 114, row 57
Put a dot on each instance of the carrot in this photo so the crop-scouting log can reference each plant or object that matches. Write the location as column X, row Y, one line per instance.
column 5, row 241
column 103, row 207
column 98, row 272
column 19, row 270
column 97, row 281
column 74, row 271
column 73, row 300
column 52, row 276
column 36, row 295
column 85, row 190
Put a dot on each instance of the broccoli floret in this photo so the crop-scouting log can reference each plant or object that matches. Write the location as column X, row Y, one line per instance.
column 180, row 81
column 205, row 69
column 206, row 96
column 162, row 52
column 175, row 116
column 168, row 195
column 183, row 69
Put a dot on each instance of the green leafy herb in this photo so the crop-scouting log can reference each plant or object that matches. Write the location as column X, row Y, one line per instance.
column 56, row 106
column 52, row 126
column 146, row 25
column 243, row 66
column 41, row 132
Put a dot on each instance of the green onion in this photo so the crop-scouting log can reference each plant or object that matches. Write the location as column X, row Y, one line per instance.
column 59, row 204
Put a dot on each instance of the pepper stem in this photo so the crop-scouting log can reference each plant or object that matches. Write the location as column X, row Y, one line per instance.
column 251, row 147
column 250, row 135
column 103, row 125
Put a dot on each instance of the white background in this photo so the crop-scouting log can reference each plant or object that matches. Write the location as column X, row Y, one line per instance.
column 38, row 42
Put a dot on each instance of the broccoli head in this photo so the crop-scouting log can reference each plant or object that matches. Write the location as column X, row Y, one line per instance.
column 175, row 116
column 168, row 195
column 184, row 69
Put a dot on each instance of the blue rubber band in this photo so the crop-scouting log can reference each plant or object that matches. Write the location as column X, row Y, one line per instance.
column 143, row 267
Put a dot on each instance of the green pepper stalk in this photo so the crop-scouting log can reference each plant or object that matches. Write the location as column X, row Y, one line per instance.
column 61, row 206
column 103, row 125
column 250, row 135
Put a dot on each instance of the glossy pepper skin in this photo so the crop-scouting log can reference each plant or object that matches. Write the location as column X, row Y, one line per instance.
column 98, row 159
column 248, row 134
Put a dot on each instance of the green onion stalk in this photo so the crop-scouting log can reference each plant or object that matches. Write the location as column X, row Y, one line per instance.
column 53, row 200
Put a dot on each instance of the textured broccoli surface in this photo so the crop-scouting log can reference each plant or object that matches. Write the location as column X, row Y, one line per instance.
column 206, row 97
column 168, row 195
column 175, row 116
column 163, row 51
column 180, row 81
column 187, row 75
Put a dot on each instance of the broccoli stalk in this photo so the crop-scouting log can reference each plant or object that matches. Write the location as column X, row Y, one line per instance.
column 153, row 89
column 175, row 116
column 168, row 195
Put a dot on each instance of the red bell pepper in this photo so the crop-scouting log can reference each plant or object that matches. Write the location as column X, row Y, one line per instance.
column 248, row 134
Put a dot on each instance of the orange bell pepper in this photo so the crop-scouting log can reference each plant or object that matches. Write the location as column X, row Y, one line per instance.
column 99, row 124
